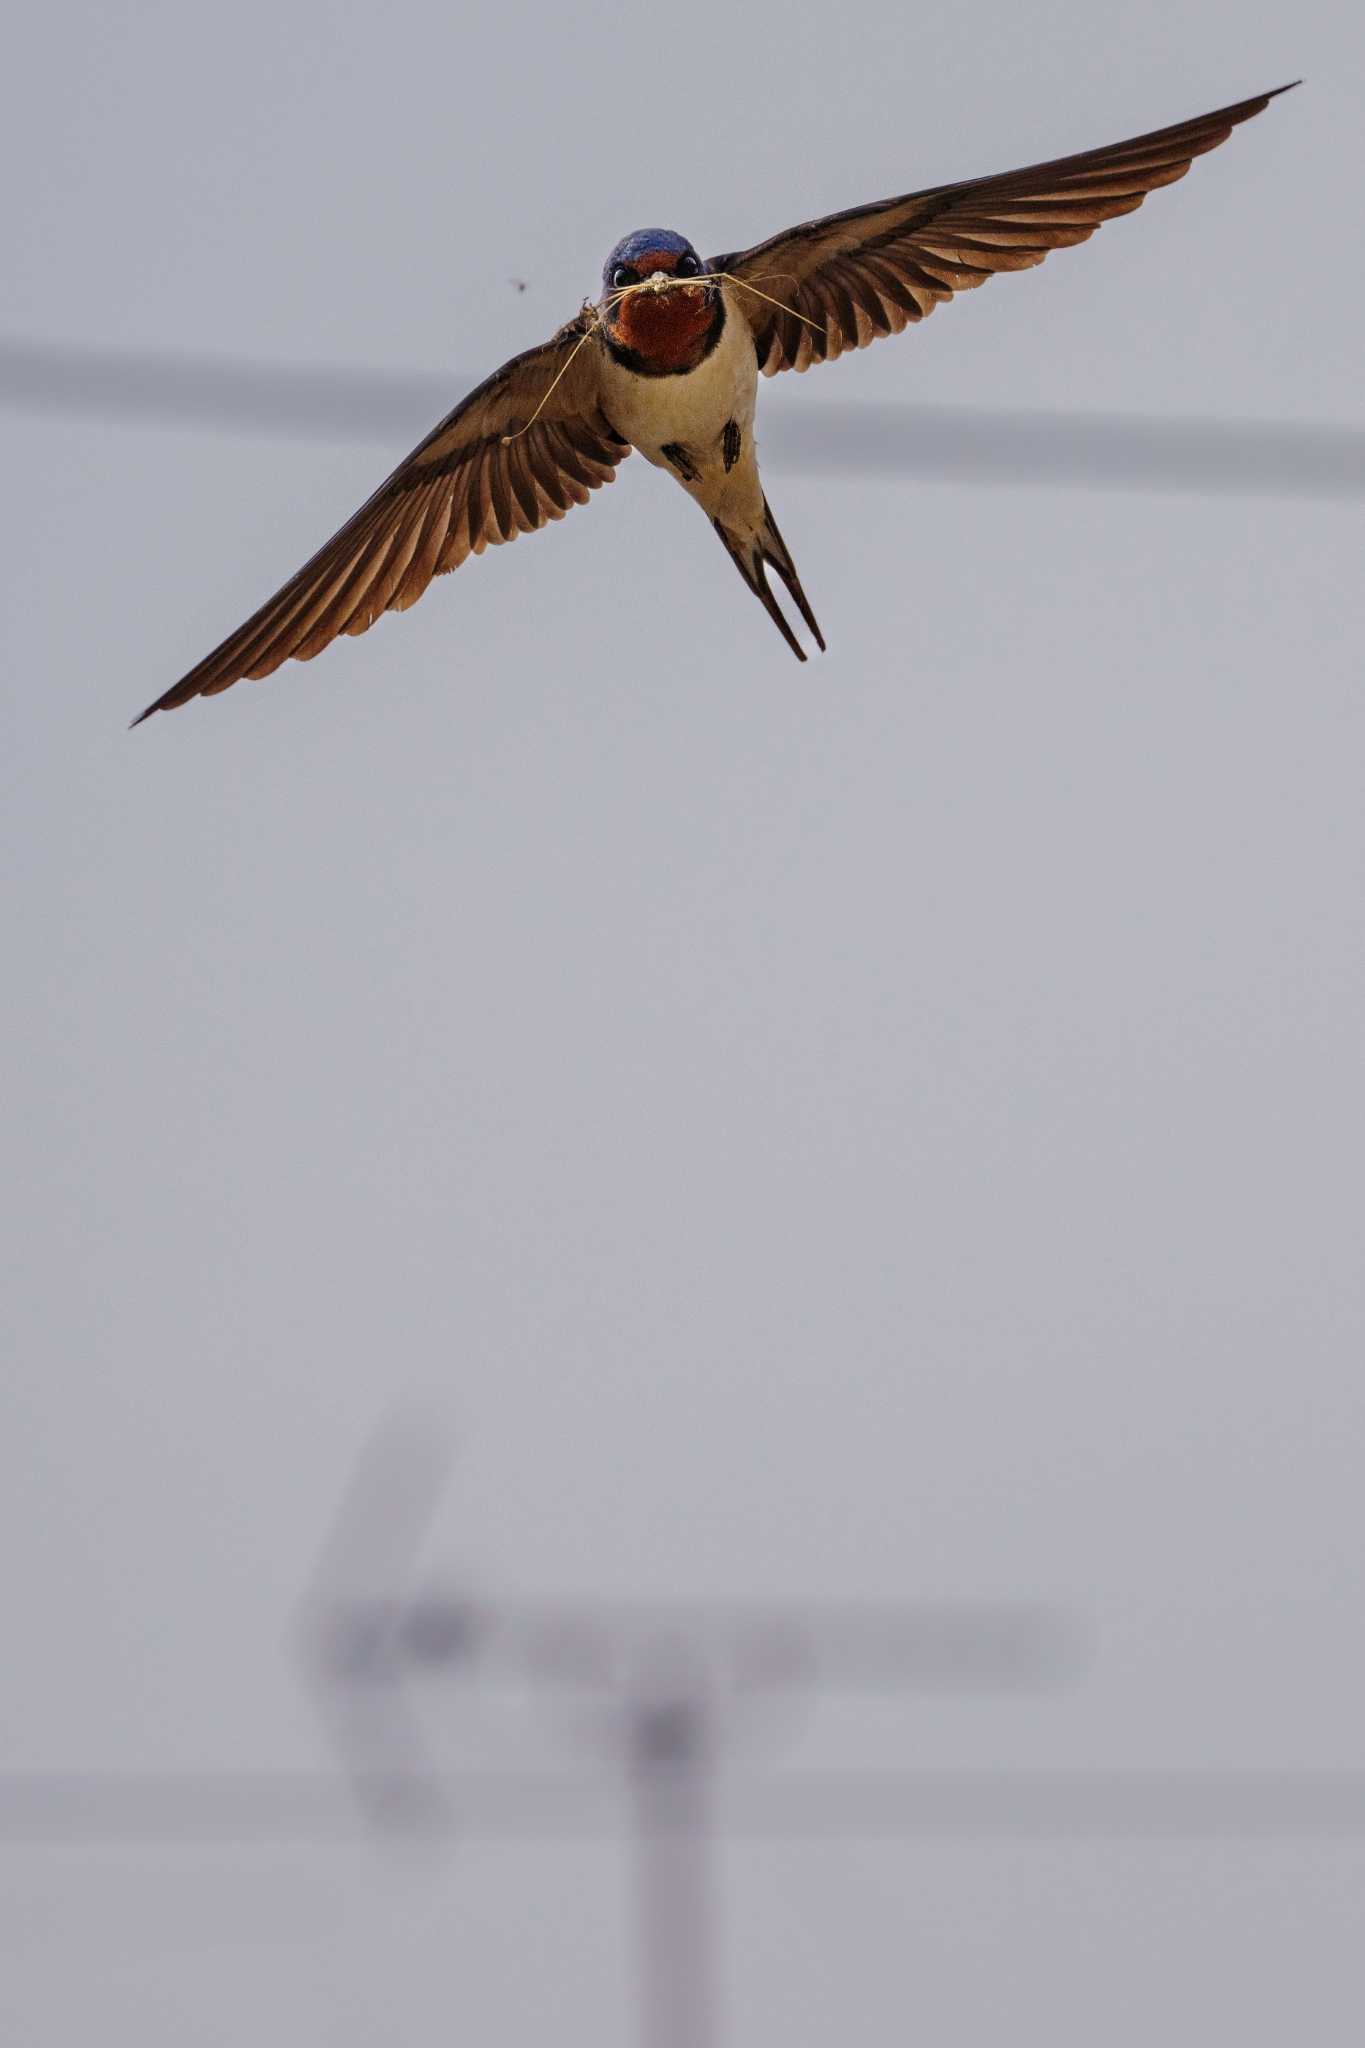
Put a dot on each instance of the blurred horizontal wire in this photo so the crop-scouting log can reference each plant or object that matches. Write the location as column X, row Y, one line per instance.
column 1056, row 1805
column 953, row 444
column 84, row 1808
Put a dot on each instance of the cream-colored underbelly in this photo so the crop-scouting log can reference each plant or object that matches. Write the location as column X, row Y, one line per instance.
column 691, row 412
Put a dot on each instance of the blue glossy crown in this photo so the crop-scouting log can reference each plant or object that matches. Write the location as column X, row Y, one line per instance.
column 643, row 239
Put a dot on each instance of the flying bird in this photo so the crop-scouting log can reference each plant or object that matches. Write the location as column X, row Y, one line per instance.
column 667, row 361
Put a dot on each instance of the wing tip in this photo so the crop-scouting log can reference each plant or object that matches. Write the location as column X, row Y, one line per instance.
column 1263, row 99
column 170, row 700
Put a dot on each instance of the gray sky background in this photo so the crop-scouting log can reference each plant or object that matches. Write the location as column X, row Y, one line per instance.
column 891, row 1128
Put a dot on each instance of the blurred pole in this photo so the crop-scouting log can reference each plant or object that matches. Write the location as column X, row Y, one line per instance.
column 671, row 1757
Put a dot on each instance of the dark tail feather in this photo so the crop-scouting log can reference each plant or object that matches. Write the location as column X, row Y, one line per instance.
column 775, row 549
column 750, row 557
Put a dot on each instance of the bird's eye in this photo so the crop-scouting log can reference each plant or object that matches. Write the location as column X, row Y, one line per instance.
column 687, row 265
column 621, row 275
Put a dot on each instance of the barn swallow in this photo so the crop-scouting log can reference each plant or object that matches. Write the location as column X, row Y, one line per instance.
column 667, row 361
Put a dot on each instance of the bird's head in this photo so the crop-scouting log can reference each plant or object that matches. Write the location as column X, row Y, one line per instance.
column 659, row 304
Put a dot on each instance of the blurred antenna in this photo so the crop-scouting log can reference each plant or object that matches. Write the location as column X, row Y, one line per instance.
column 947, row 444
column 662, row 1693
column 659, row 1693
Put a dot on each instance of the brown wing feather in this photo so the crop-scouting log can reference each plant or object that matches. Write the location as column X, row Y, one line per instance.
column 464, row 489
column 875, row 269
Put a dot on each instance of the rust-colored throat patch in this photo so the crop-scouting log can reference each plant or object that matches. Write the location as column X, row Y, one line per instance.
column 667, row 329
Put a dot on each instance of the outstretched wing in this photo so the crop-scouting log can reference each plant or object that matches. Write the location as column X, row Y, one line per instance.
column 874, row 269
column 465, row 488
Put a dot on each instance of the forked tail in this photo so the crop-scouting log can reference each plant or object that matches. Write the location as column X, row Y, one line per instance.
column 752, row 554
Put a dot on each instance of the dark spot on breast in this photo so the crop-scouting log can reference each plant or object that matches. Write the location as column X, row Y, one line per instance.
column 682, row 461
column 730, row 443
